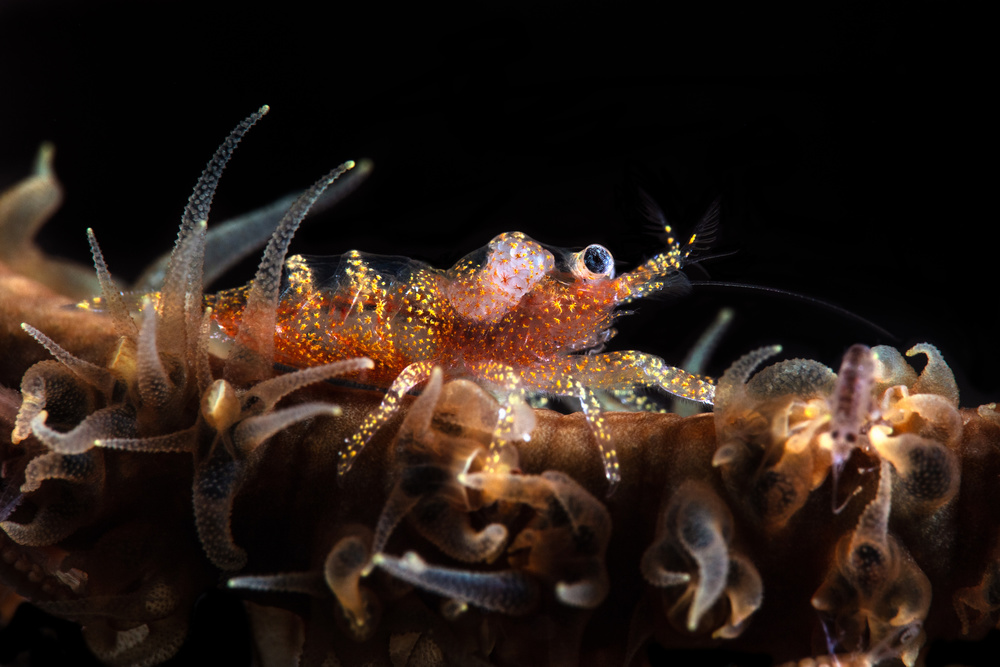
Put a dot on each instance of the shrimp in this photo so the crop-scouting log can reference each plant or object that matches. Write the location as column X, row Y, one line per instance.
column 851, row 406
column 519, row 318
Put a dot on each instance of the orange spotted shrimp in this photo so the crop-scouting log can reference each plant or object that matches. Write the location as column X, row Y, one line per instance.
column 519, row 318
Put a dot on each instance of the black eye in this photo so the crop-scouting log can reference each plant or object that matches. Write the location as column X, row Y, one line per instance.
column 597, row 259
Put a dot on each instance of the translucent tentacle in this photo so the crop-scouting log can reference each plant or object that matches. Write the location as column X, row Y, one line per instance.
column 113, row 421
column 200, row 201
column 254, row 350
column 49, row 385
column 307, row 583
column 92, row 374
column 692, row 548
column 123, row 322
column 510, row 591
column 181, row 441
column 697, row 358
column 250, row 432
column 154, row 384
column 568, row 537
column 891, row 369
column 451, row 531
column 181, row 296
column 701, row 531
column 216, row 481
column 936, row 378
column 733, row 381
column 269, row 392
column 344, row 567
column 745, row 591
column 29, row 204
column 79, row 468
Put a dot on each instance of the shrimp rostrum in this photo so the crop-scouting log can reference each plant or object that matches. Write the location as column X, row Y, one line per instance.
column 518, row 318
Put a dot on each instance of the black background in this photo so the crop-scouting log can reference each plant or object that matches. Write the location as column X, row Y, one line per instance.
column 850, row 146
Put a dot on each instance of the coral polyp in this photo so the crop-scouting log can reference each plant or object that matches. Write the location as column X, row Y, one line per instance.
column 816, row 516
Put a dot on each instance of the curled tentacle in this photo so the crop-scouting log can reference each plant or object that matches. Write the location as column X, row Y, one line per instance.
column 693, row 549
column 566, row 541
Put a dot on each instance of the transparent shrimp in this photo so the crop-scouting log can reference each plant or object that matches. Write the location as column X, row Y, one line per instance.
column 851, row 405
column 514, row 316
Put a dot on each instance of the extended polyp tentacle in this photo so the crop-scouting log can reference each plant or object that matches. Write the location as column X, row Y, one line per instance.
column 178, row 276
column 411, row 376
column 92, row 374
column 531, row 490
column 253, row 353
column 200, row 201
column 154, row 383
column 655, row 573
column 589, row 591
column 269, row 392
column 701, row 527
column 252, row 431
column 180, row 301
column 509, row 592
column 200, row 355
column 697, row 358
column 891, row 369
column 231, row 241
column 307, row 583
column 194, row 341
column 180, row 441
column 123, row 322
column 929, row 471
column 28, row 205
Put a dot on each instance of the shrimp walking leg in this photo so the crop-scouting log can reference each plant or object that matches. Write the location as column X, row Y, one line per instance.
column 512, row 420
column 624, row 370
column 579, row 377
column 413, row 375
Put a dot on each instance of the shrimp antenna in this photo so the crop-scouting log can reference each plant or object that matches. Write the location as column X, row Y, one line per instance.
column 840, row 310
column 704, row 235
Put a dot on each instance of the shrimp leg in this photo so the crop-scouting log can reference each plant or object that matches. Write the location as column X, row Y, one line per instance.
column 579, row 376
column 625, row 370
column 413, row 375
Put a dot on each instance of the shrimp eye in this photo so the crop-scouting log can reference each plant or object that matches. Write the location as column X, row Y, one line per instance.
column 594, row 262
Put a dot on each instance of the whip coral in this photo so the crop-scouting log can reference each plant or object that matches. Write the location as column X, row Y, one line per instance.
column 814, row 516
